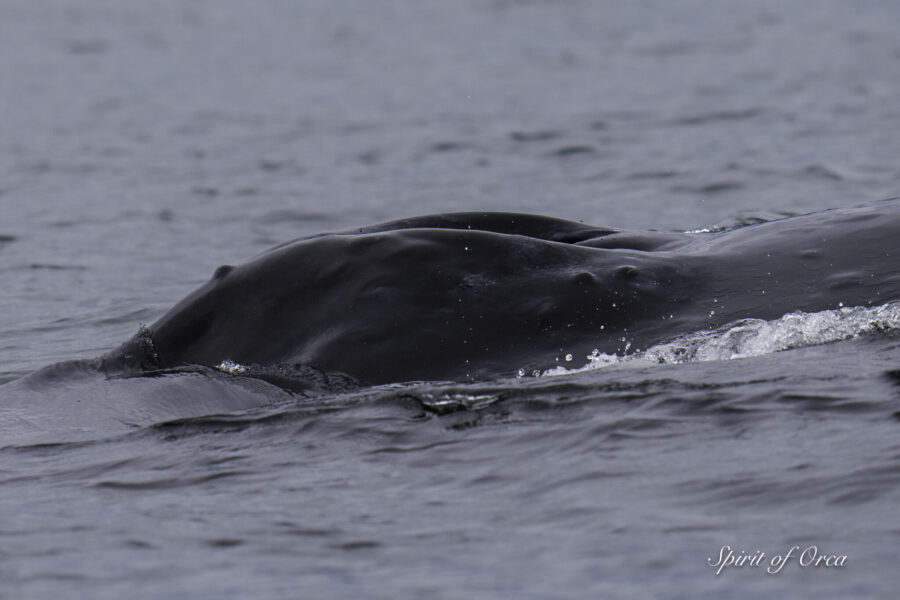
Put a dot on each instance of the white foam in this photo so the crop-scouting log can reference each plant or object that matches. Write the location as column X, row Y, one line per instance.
column 756, row 337
column 229, row 366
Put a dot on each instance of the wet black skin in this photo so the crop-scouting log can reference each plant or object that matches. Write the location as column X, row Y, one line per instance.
column 475, row 295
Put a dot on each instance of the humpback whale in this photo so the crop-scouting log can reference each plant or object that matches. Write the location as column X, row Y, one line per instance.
column 465, row 296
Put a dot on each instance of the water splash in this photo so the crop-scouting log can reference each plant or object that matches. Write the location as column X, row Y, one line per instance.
column 757, row 337
column 231, row 367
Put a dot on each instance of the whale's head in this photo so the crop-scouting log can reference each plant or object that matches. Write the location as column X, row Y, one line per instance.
column 420, row 299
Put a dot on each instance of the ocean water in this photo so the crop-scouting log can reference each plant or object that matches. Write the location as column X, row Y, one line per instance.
column 144, row 144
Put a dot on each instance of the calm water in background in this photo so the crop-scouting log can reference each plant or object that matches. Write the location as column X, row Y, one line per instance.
column 144, row 144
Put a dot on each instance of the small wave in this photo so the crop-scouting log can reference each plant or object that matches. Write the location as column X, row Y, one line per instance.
column 541, row 135
column 724, row 115
column 574, row 149
column 54, row 267
column 757, row 337
column 714, row 187
column 302, row 379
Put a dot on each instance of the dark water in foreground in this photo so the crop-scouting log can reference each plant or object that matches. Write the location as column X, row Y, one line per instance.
column 145, row 144
column 615, row 484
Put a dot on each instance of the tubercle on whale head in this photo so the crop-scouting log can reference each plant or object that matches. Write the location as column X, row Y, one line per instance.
column 222, row 271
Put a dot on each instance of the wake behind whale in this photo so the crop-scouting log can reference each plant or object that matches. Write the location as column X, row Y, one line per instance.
column 469, row 296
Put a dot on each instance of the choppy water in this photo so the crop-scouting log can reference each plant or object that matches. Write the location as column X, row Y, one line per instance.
column 143, row 144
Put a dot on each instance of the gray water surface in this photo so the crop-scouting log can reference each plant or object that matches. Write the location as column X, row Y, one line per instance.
column 143, row 144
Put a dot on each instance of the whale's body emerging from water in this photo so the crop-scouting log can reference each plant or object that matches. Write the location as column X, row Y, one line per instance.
column 474, row 295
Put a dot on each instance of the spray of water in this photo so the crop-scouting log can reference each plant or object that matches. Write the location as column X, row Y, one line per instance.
column 756, row 337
